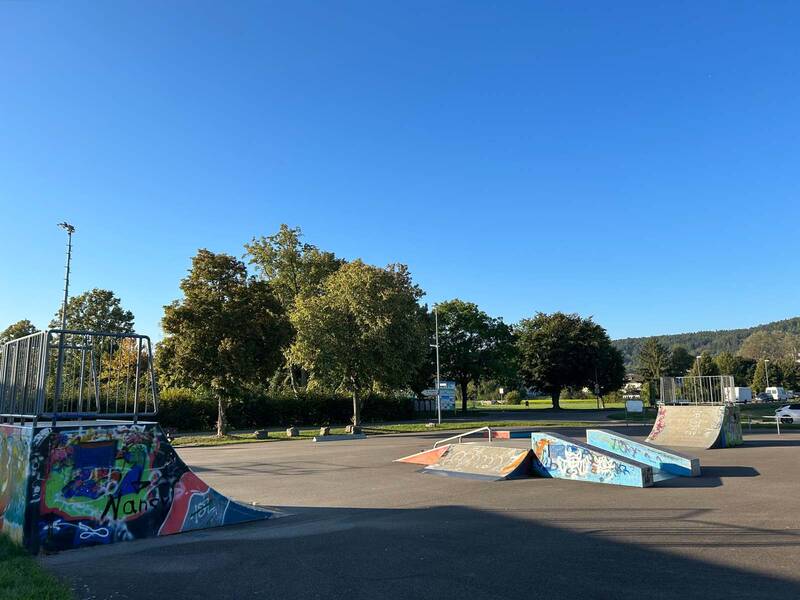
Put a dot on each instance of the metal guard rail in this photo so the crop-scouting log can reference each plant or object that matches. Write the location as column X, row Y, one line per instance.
column 465, row 434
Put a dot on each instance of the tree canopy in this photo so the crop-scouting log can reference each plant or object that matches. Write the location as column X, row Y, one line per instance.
column 560, row 350
column 363, row 329
column 291, row 267
column 473, row 345
column 96, row 310
column 17, row 330
column 227, row 331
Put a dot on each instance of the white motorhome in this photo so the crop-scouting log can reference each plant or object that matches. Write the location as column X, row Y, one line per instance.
column 777, row 393
column 738, row 394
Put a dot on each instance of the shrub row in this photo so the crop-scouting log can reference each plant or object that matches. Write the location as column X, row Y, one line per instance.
column 189, row 410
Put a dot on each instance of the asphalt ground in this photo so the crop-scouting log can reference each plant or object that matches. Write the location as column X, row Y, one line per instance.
column 359, row 526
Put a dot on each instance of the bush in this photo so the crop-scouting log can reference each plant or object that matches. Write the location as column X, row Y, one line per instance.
column 186, row 409
column 512, row 397
column 194, row 410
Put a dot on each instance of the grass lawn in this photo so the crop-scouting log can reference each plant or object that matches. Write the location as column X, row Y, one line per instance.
column 21, row 578
column 211, row 439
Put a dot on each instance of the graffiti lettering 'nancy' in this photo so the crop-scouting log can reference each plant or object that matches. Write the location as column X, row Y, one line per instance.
column 117, row 506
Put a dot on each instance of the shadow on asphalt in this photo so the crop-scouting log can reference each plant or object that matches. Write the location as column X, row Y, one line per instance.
column 441, row 553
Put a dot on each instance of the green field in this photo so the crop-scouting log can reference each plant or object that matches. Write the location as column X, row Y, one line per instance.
column 21, row 578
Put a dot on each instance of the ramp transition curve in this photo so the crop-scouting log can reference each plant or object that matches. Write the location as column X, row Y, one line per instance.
column 697, row 426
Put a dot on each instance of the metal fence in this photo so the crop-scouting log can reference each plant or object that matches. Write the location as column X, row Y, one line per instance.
column 77, row 374
column 705, row 389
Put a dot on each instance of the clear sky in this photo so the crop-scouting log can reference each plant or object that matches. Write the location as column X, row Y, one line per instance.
column 638, row 162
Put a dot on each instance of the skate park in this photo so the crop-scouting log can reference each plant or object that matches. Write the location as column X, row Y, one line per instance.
column 346, row 519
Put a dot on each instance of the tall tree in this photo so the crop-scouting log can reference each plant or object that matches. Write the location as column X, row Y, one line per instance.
column 227, row 332
column 364, row 329
column 560, row 350
column 653, row 360
column 291, row 267
column 96, row 310
column 17, row 330
column 472, row 344
column 704, row 366
column 740, row 367
column 680, row 361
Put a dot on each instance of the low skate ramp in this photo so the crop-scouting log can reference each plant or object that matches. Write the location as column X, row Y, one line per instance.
column 561, row 457
column 661, row 459
column 482, row 461
column 697, row 426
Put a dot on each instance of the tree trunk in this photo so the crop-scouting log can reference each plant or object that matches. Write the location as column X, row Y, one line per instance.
column 555, row 397
column 356, row 410
column 463, row 385
column 221, row 424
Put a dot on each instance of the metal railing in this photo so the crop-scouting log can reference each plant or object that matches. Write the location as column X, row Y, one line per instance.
column 465, row 434
column 78, row 374
column 705, row 389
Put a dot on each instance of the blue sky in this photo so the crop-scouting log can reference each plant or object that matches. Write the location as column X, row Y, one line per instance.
column 637, row 162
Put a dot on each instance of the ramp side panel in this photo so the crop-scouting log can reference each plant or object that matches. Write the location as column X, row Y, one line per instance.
column 118, row 482
column 485, row 461
column 566, row 458
column 697, row 426
column 662, row 459
column 15, row 451
column 426, row 457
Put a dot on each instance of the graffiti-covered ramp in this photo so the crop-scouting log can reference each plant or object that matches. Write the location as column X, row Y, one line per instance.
column 90, row 483
column 482, row 461
column 697, row 426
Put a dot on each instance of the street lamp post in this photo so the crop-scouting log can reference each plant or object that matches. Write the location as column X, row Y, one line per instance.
column 60, row 363
column 766, row 370
column 438, row 387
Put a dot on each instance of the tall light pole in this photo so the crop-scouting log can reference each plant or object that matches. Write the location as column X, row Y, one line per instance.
column 70, row 230
column 60, row 364
column 438, row 387
column 766, row 370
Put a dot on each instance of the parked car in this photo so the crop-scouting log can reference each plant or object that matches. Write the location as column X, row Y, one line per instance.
column 789, row 413
column 763, row 397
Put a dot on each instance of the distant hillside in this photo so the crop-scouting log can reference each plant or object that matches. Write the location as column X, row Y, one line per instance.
column 712, row 341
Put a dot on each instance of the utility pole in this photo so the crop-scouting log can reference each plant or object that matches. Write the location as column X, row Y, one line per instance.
column 438, row 386
column 766, row 370
column 60, row 364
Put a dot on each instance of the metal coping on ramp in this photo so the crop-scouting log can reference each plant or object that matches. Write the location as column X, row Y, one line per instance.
column 662, row 459
column 84, row 484
column 480, row 461
column 562, row 457
column 697, row 426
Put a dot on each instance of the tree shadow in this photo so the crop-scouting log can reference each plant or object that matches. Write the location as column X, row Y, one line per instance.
column 447, row 552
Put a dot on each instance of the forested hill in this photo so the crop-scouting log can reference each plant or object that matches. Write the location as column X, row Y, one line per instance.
column 712, row 341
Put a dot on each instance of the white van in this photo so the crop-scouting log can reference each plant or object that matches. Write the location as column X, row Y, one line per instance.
column 777, row 393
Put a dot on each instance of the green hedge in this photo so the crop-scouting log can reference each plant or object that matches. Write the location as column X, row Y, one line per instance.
column 190, row 410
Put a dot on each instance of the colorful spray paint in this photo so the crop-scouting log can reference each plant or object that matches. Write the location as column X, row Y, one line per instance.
column 110, row 482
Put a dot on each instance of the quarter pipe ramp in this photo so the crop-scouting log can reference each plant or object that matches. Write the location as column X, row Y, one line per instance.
column 87, row 483
column 697, row 426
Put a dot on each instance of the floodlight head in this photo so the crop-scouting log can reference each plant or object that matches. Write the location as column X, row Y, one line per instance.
column 67, row 227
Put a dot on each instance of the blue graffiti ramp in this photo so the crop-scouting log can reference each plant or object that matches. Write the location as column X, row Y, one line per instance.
column 660, row 458
column 562, row 457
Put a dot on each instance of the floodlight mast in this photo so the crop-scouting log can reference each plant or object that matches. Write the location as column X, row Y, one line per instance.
column 60, row 363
